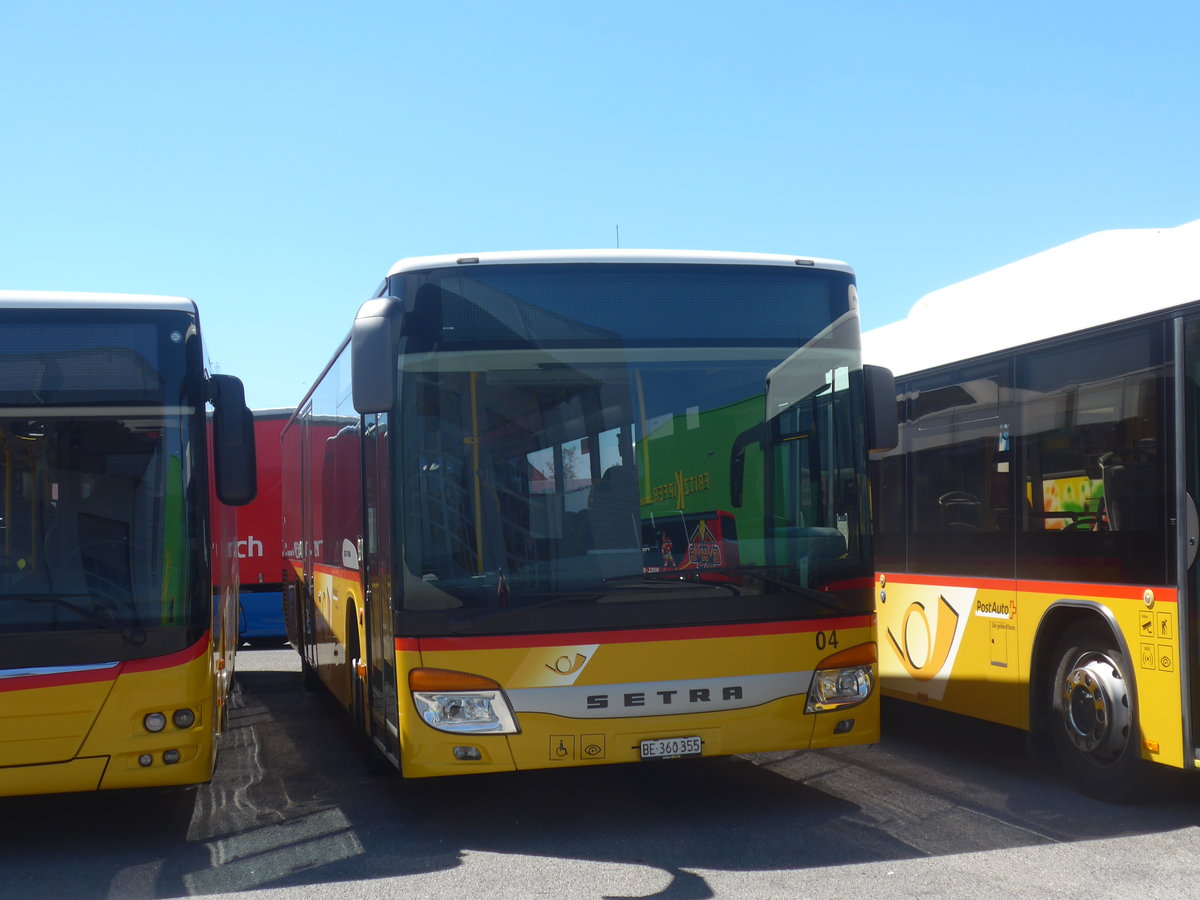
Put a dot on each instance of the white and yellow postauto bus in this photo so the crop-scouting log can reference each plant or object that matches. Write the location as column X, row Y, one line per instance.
column 575, row 508
column 117, row 625
column 1036, row 524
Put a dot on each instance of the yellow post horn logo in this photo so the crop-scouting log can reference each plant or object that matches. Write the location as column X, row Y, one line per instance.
column 564, row 666
column 938, row 644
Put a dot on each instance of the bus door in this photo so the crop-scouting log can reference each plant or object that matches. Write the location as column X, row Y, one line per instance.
column 1189, row 534
column 308, row 554
column 951, row 639
column 383, row 709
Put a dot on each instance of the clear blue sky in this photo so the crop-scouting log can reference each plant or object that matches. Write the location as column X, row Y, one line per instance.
column 272, row 159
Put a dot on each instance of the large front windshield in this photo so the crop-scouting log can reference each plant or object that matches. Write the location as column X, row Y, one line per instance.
column 99, row 535
column 620, row 445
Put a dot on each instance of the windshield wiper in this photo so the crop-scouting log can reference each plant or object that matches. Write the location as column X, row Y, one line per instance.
column 491, row 615
column 562, row 597
column 131, row 632
column 694, row 576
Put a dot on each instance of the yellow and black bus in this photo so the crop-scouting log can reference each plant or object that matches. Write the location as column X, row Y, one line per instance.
column 117, row 625
column 1036, row 525
column 574, row 508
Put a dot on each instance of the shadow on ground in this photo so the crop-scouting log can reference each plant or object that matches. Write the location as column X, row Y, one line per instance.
column 292, row 806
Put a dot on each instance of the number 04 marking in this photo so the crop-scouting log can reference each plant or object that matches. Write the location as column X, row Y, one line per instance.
column 827, row 639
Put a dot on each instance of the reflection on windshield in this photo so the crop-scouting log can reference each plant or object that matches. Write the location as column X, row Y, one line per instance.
column 92, row 534
column 526, row 474
column 600, row 433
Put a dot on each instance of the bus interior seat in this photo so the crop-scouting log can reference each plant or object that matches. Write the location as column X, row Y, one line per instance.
column 961, row 512
column 1133, row 493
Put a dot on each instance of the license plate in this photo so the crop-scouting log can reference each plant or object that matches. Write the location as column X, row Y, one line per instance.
column 671, row 748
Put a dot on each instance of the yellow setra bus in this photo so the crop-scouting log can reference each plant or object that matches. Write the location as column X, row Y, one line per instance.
column 575, row 508
column 117, row 625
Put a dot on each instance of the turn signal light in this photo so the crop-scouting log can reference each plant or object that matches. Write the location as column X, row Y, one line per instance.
column 449, row 680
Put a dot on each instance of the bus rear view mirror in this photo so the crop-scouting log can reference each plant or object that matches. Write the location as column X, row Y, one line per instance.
column 233, row 442
column 372, row 356
column 383, row 329
column 883, row 429
column 228, row 398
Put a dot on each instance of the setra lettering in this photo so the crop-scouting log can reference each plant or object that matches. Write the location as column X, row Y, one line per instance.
column 667, row 697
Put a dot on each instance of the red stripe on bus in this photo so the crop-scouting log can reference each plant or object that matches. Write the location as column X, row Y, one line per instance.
column 642, row 635
column 171, row 660
column 1108, row 591
column 1080, row 589
column 60, row 679
column 340, row 571
column 992, row 584
column 92, row 676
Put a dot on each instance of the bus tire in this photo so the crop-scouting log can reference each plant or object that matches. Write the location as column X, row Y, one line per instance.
column 1094, row 722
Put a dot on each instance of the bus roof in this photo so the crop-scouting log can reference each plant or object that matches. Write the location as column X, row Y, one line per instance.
column 1102, row 277
column 69, row 299
column 274, row 412
column 707, row 257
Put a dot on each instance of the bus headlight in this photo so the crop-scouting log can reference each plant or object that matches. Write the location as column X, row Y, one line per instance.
column 183, row 718
column 460, row 702
column 842, row 680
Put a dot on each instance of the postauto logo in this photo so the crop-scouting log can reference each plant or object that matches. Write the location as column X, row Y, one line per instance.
column 925, row 637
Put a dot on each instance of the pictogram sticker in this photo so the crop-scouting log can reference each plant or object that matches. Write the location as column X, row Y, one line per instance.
column 591, row 746
column 562, row 747
column 1148, row 656
column 1165, row 628
column 1146, row 623
column 1166, row 658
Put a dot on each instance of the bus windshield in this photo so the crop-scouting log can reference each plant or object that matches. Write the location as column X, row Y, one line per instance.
column 566, row 449
column 99, row 529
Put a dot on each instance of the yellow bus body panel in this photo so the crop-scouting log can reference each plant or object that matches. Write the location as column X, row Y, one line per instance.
column 966, row 645
column 550, row 681
column 336, row 593
column 52, row 753
column 48, row 724
column 55, row 778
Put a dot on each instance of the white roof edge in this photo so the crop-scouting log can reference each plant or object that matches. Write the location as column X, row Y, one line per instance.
column 273, row 412
column 710, row 257
column 1102, row 277
column 66, row 299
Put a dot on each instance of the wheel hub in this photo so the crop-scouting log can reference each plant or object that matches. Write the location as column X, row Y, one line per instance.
column 1096, row 710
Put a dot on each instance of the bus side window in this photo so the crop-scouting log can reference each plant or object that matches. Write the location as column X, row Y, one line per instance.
column 1091, row 429
column 959, row 478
